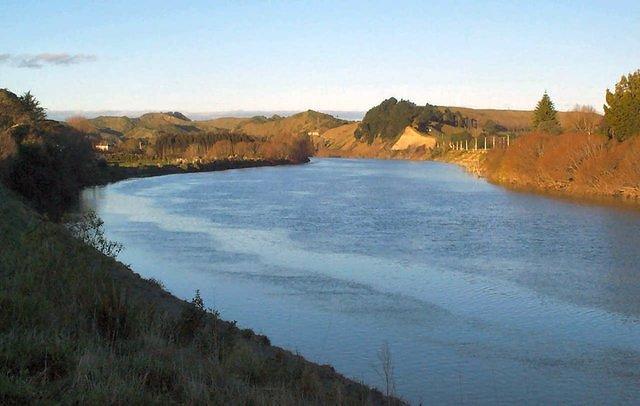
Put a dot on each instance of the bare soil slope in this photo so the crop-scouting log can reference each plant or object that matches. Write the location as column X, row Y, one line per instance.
column 412, row 138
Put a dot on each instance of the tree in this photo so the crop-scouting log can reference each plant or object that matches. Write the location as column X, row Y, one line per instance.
column 545, row 116
column 622, row 111
column 388, row 119
column 493, row 128
column 428, row 115
column 33, row 108
column 585, row 119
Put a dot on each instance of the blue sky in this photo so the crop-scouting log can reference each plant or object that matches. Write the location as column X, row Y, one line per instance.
column 212, row 56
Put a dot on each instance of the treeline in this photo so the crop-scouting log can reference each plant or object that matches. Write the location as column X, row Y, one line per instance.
column 621, row 119
column 45, row 161
column 388, row 119
column 199, row 144
column 224, row 144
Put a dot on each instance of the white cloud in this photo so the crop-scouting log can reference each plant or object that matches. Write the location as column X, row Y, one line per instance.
column 40, row 60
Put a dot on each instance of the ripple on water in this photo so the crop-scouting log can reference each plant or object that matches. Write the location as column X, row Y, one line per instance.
column 484, row 295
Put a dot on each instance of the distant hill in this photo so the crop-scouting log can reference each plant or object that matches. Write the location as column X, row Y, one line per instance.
column 306, row 122
column 150, row 125
column 389, row 119
column 62, row 115
column 513, row 120
column 389, row 126
column 334, row 136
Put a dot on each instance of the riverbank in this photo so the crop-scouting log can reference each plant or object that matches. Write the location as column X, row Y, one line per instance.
column 117, row 172
column 84, row 328
column 576, row 167
column 471, row 161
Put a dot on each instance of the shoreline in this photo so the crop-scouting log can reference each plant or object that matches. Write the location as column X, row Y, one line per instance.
column 473, row 162
column 115, row 172
column 309, row 381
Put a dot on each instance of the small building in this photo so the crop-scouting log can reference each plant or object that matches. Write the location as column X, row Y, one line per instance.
column 103, row 146
column 313, row 133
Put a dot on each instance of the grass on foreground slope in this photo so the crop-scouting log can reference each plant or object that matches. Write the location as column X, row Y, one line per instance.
column 76, row 326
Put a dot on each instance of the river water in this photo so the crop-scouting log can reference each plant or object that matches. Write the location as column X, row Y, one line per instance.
column 482, row 295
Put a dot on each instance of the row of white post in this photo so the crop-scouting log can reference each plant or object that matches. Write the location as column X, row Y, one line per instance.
column 463, row 145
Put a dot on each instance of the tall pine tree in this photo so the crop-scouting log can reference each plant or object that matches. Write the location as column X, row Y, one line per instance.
column 545, row 116
column 622, row 111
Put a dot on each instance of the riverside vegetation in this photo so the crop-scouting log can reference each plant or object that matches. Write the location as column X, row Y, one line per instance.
column 577, row 153
column 77, row 326
column 33, row 149
column 591, row 159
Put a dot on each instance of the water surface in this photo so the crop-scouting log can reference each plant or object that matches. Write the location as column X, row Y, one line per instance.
column 483, row 295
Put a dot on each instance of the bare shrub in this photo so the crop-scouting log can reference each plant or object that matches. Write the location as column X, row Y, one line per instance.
column 385, row 369
column 88, row 228
column 584, row 119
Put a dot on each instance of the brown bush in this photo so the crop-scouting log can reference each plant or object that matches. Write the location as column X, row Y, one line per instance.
column 293, row 148
column 577, row 163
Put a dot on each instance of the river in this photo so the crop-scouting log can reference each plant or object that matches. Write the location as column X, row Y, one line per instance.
column 482, row 295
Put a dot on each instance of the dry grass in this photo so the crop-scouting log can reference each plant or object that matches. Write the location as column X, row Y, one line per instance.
column 571, row 163
column 516, row 120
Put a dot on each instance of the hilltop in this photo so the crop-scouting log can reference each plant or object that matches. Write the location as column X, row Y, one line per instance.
column 515, row 120
column 306, row 122
column 149, row 126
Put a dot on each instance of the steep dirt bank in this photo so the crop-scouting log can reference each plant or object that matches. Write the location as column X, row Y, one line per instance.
column 412, row 138
column 340, row 142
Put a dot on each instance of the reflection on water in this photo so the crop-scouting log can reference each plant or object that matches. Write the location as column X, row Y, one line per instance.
column 483, row 295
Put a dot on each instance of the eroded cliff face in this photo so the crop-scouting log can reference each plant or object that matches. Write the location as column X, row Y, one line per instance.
column 341, row 142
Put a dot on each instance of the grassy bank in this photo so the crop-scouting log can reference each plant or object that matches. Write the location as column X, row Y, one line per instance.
column 572, row 165
column 76, row 326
